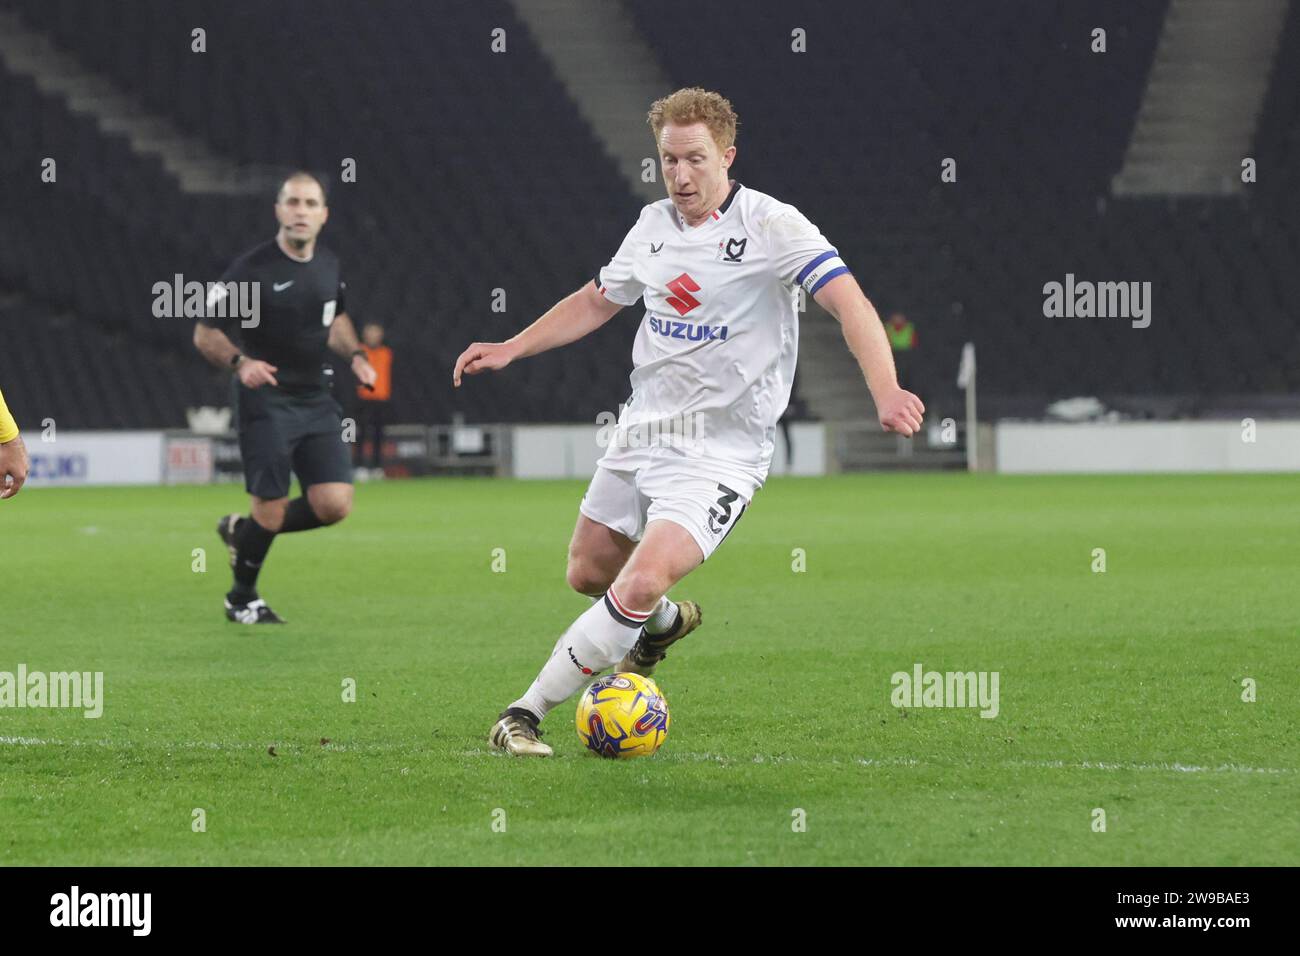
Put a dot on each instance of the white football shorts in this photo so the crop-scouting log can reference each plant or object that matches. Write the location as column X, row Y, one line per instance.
column 627, row 501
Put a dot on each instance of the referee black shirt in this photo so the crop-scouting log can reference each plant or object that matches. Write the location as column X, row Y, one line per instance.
column 297, row 302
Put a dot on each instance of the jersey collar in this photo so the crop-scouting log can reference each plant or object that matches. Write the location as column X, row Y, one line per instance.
column 714, row 216
column 303, row 262
column 726, row 203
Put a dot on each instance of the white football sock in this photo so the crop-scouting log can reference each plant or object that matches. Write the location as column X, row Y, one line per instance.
column 664, row 616
column 598, row 639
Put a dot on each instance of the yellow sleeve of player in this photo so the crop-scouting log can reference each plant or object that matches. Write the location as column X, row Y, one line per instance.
column 8, row 427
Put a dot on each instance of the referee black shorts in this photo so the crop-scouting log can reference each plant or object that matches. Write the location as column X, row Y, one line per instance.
column 281, row 432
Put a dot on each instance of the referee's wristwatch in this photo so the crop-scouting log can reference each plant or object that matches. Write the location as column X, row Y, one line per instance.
column 236, row 359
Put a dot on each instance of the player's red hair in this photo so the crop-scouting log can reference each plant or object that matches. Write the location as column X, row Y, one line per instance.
column 694, row 105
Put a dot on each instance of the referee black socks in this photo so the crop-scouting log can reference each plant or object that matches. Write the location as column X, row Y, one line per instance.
column 252, row 542
column 251, row 545
column 298, row 516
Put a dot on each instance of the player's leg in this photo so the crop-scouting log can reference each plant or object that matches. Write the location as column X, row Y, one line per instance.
column 614, row 509
column 610, row 520
column 322, row 504
column 279, row 436
column 706, row 512
column 606, row 631
column 666, row 554
column 597, row 553
column 265, row 450
column 330, row 502
column 269, row 512
column 248, row 539
column 322, row 461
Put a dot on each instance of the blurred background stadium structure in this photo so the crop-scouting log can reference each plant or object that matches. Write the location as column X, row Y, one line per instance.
column 521, row 171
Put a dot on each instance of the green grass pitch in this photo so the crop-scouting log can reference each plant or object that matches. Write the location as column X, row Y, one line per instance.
column 1119, row 690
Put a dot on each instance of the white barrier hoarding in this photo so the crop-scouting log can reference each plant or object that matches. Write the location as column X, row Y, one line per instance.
column 189, row 460
column 1127, row 447
column 95, row 458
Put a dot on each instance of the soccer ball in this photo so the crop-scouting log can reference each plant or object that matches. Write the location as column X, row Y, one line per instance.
column 623, row 715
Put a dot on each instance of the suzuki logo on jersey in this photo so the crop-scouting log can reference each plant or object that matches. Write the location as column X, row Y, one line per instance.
column 681, row 299
column 687, row 330
column 733, row 250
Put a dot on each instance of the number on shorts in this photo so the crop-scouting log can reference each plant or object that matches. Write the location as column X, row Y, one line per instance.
column 728, row 496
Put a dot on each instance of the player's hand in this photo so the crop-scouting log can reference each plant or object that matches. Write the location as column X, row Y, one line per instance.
column 254, row 373
column 483, row 357
column 900, row 411
column 364, row 371
column 13, row 467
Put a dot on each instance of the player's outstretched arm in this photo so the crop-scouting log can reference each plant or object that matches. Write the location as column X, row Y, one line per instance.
column 898, row 409
column 568, row 320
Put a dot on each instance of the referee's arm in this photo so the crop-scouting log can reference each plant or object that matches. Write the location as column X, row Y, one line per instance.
column 343, row 341
column 13, row 454
column 215, row 346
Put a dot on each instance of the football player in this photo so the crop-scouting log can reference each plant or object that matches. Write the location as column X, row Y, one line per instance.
column 719, row 267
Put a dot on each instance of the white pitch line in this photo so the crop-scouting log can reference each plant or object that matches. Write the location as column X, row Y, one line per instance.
column 287, row 746
column 1085, row 765
column 1175, row 767
column 737, row 758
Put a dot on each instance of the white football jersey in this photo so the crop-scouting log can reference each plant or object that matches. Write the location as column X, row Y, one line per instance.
column 715, row 352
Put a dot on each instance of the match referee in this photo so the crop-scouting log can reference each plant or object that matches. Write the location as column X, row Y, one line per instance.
column 287, row 419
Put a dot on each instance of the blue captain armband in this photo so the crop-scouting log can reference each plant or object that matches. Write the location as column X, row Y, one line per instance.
column 821, row 270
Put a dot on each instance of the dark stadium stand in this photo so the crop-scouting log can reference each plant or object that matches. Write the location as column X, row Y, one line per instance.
column 1035, row 136
column 1038, row 125
column 463, row 187
column 466, row 185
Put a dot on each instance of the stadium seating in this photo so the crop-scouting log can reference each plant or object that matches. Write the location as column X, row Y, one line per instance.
column 853, row 131
column 474, row 173
column 464, row 186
